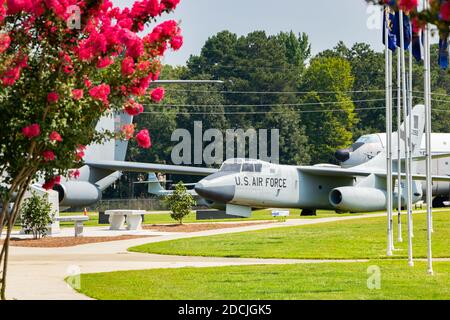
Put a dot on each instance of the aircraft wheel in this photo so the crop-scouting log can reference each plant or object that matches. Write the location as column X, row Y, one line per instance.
column 438, row 202
column 308, row 212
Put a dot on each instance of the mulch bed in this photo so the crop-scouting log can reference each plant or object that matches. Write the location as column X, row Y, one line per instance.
column 56, row 242
column 194, row 227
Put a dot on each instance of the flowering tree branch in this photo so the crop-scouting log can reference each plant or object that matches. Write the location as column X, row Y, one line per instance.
column 437, row 14
column 63, row 65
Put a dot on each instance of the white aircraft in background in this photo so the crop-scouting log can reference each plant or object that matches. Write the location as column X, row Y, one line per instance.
column 369, row 146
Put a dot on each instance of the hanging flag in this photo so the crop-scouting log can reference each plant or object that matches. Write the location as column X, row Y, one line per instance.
column 417, row 37
column 406, row 29
column 417, row 46
column 443, row 54
column 388, row 21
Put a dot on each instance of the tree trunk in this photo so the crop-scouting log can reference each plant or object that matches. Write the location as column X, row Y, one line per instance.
column 21, row 189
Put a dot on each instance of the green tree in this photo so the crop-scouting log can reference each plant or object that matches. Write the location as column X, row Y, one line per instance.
column 36, row 215
column 294, row 147
column 180, row 202
column 367, row 67
column 332, row 118
column 260, row 72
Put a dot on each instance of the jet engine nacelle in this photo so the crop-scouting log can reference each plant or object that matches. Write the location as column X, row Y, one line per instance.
column 77, row 193
column 358, row 199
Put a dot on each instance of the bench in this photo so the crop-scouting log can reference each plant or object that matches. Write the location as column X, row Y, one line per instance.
column 79, row 220
column 133, row 219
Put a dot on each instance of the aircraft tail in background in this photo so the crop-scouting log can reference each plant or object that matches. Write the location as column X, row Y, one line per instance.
column 418, row 127
column 154, row 186
column 113, row 150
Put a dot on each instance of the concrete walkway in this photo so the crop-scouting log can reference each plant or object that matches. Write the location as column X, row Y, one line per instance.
column 39, row 273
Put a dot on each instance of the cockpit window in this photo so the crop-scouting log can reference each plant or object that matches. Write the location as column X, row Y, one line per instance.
column 371, row 138
column 231, row 167
column 258, row 167
column 248, row 167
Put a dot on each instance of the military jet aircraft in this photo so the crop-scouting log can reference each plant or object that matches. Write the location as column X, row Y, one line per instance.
column 369, row 146
column 242, row 184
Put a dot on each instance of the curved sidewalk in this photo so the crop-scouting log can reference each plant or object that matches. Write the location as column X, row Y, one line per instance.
column 39, row 273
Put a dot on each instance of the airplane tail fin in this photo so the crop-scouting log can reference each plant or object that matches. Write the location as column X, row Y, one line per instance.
column 112, row 150
column 417, row 130
column 154, row 186
column 418, row 127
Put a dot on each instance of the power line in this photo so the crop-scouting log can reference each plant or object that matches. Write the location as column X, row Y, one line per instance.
column 273, row 92
column 436, row 100
column 266, row 105
column 436, row 94
column 265, row 112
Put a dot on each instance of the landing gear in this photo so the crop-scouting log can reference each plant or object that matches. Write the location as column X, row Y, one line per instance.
column 308, row 212
column 438, row 202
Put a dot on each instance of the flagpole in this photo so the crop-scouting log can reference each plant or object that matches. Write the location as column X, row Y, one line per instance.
column 410, row 106
column 399, row 155
column 427, row 99
column 388, row 66
column 389, row 160
column 407, row 167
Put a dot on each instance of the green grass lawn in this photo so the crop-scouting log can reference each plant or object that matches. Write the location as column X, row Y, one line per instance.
column 361, row 238
column 164, row 218
column 300, row 281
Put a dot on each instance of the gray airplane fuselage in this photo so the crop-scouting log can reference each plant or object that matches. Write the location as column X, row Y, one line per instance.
column 258, row 184
column 369, row 146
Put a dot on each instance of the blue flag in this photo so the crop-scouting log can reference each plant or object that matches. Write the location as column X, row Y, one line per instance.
column 406, row 29
column 443, row 54
column 417, row 46
column 388, row 20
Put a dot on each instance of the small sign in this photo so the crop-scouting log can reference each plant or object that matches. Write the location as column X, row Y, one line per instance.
column 280, row 213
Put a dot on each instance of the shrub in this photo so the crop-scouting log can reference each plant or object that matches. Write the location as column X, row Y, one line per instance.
column 36, row 214
column 180, row 202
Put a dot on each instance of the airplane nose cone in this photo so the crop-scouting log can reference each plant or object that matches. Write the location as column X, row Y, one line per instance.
column 342, row 155
column 215, row 193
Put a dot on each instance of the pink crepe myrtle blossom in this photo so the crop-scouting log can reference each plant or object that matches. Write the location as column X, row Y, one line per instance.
column 128, row 131
column 74, row 174
column 157, row 94
column 101, row 93
column 176, row 43
column 128, row 66
column 77, row 94
column 133, row 108
column 55, row 136
column 52, row 97
column 143, row 139
column 31, row 131
column 5, row 42
column 50, row 184
column 445, row 11
column 48, row 155
column 408, row 5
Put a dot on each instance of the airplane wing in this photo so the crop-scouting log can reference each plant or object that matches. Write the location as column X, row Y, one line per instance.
column 335, row 171
column 433, row 156
column 343, row 172
column 150, row 167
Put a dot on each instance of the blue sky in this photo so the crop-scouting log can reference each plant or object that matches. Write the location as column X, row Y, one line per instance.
column 326, row 21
